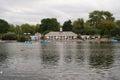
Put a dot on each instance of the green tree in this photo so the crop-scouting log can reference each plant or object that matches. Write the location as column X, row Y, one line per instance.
column 115, row 32
column 89, row 26
column 4, row 26
column 49, row 24
column 37, row 28
column 78, row 25
column 9, row 36
column 67, row 26
column 97, row 16
column 118, row 23
column 27, row 28
column 106, row 26
column 11, row 28
column 18, row 32
column 18, row 29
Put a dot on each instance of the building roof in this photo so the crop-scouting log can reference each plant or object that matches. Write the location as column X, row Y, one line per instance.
column 63, row 33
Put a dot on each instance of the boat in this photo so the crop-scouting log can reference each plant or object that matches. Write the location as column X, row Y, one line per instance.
column 45, row 41
column 112, row 40
column 27, row 42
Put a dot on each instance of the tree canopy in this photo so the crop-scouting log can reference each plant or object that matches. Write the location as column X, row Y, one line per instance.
column 78, row 25
column 106, row 26
column 118, row 23
column 4, row 26
column 11, row 28
column 97, row 16
column 49, row 24
column 67, row 26
column 26, row 28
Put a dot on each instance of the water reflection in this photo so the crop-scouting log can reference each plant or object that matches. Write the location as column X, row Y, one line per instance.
column 49, row 55
column 69, row 52
column 48, row 58
column 80, row 52
column 101, row 55
column 79, row 56
column 3, row 53
column 3, row 57
column 70, row 60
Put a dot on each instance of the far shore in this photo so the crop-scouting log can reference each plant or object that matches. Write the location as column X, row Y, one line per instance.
column 2, row 41
column 96, row 40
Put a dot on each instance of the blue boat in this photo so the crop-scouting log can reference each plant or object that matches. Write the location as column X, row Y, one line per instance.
column 46, row 41
column 112, row 40
column 27, row 42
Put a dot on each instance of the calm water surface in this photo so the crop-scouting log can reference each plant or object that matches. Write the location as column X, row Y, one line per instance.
column 72, row 60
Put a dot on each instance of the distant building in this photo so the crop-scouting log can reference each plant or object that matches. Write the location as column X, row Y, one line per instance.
column 61, row 35
column 36, row 37
column 95, row 37
column 85, row 37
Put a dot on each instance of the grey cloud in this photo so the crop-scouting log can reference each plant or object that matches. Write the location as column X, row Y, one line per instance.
column 32, row 11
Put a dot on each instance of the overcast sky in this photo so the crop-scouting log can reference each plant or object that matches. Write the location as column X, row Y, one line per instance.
column 32, row 11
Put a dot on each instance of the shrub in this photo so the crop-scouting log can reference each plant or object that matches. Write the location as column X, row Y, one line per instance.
column 9, row 36
column 21, row 38
column 105, row 36
column 115, row 32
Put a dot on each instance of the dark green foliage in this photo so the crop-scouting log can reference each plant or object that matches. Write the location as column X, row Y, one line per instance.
column 45, row 32
column 49, row 24
column 117, row 38
column 18, row 30
column 11, row 28
column 105, row 36
column 93, row 31
column 37, row 28
column 78, row 25
column 27, row 28
column 0, row 36
column 89, row 32
column 21, row 39
column 67, row 26
column 106, row 26
column 9, row 36
column 77, row 31
column 97, row 16
column 115, row 32
column 118, row 23
column 4, row 26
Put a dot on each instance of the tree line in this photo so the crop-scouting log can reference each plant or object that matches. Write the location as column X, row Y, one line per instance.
column 99, row 23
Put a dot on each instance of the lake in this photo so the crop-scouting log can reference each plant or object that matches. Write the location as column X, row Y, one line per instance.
column 60, row 60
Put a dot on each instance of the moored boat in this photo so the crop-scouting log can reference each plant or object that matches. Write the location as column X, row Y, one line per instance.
column 45, row 41
column 27, row 42
column 112, row 40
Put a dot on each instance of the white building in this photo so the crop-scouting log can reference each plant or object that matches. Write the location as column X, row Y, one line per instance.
column 61, row 35
column 85, row 37
column 36, row 37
